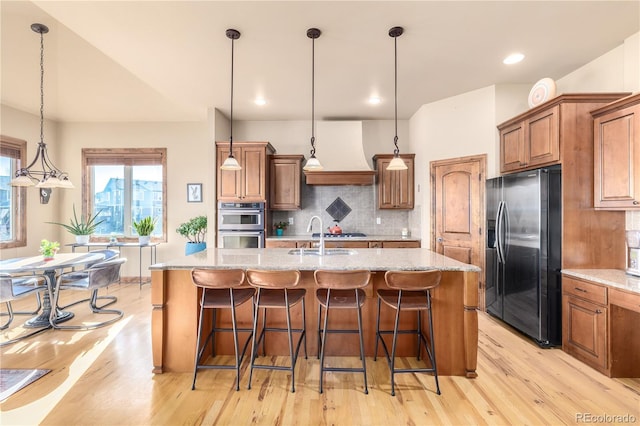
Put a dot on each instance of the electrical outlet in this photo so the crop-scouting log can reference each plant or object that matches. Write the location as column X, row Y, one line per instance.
column 378, row 221
column 290, row 221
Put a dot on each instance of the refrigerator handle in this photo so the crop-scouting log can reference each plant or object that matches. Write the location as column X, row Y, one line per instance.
column 499, row 236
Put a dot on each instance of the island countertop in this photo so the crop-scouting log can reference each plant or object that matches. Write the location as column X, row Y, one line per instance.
column 174, row 299
column 415, row 259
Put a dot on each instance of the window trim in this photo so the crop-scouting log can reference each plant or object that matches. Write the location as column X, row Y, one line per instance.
column 19, row 195
column 124, row 156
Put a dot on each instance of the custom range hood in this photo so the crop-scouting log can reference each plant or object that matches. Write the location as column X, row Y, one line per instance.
column 339, row 149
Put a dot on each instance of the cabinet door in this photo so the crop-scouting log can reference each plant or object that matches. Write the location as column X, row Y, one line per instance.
column 401, row 244
column 395, row 187
column 617, row 159
column 279, row 244
column 229, row 181
column 254, row 172
column 584, row 331
column 346, row 244
column 512, row 153
column 284, row 188
column 542, row 138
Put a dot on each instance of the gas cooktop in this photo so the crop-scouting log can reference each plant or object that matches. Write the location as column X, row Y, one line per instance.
column 343, row 235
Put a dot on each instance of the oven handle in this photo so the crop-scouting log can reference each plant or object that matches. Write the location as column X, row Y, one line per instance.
column 239, row 232
column 240, row 211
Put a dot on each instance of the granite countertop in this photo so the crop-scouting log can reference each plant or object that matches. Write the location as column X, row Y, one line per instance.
column 278, row 258
column 611, row 277
column 308, row 237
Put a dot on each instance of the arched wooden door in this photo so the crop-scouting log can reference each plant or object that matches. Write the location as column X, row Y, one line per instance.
column 457, row 211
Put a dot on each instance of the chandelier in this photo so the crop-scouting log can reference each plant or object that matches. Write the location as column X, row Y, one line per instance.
column 397, row 163
column 41, row 172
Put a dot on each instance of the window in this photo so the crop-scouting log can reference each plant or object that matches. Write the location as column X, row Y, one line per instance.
column 13, row 211
column 125, row 185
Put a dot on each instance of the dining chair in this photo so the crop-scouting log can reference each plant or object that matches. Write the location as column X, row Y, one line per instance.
column 14, row 288
column 98, row 275
column 82, row 274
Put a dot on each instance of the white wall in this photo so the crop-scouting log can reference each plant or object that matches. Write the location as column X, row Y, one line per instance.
column 190, row 159
column 459, row 126
column 21, row 125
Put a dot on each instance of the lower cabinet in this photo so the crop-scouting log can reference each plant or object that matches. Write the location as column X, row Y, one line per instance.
column 585, row 331
column 274, row 243
column 279, row 244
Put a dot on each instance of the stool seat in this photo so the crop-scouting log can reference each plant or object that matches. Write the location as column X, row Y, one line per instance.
column 408, row 291
column 270, row 298
column 341, row 299
column 218, row 298
column 411, row 300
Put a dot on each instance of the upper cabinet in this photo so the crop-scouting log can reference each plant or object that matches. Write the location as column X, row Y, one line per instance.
column 250, row 183
column 395, row 187
column 616, row 129
column 531, row 141
column 284, row 188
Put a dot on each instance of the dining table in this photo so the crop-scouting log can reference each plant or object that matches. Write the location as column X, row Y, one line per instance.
column 51, row 269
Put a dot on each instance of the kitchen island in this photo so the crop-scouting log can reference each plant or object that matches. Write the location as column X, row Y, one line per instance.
column 175, row 301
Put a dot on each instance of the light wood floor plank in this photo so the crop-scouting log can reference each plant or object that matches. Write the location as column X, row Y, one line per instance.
column 103, row 377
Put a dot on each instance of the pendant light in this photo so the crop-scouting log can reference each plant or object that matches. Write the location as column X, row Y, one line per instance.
column 313, row 164
column 396, row 163
column 49, row 176
column 231, row 163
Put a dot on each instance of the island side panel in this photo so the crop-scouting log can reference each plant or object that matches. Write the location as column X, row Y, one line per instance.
column 157, row 319
column 471, row 323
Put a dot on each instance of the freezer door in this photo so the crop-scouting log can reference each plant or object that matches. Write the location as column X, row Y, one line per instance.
column 494, row 269
column 524, row 219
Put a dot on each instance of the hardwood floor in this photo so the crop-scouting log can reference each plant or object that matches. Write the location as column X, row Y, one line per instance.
column 103, row 377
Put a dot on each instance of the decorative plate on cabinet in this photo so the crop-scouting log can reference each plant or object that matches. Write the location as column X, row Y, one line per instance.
column 542, row 91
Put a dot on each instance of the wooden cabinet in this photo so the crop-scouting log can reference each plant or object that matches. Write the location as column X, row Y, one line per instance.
column 616, row 129
column 280, row 244
column 346, row 244
column 400, row 244
column 584, row 322
column 531, row 142
column 285, row 178
column 250, row 183
column 395, row 187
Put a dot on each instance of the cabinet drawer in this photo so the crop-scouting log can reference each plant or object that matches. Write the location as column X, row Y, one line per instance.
column 585, row 290
column 624, row 299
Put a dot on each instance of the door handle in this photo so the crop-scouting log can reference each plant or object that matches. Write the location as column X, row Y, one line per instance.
column 440, row 240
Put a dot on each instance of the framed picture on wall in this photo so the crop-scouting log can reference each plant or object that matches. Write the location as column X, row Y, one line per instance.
column 194, row 192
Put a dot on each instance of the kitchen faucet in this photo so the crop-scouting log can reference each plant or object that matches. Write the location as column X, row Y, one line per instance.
column 309, row 227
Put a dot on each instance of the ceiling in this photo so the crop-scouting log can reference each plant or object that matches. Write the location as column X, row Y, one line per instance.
column 171, row 60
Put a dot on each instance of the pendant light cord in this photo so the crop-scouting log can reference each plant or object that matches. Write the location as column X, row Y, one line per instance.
column 313, row 101
column 231, row 124
column 396, row 151
column 41, row 87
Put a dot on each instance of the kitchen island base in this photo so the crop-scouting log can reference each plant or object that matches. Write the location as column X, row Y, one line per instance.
column 175, row 311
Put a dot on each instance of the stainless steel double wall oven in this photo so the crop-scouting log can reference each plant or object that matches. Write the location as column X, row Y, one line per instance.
column 241, row 225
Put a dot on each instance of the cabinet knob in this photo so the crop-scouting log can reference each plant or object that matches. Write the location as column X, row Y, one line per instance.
column 635, row 203
column 440, row 240
column 598, row 311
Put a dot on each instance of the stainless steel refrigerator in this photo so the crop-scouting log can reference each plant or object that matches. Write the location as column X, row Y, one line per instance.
column 523, row 251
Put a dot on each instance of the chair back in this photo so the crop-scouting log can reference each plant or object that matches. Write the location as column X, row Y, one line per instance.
column 217, row 278
column 344, row 280
column 273, row 279
column 412, row 280
column 6, row 288
column 104, row 273
column 108, row 255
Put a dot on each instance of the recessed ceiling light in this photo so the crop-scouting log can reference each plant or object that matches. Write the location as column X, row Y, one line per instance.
column 374, row 100
column 260, row 101
column 514, row 58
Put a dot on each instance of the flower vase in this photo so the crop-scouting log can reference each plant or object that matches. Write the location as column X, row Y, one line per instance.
column 279, row 232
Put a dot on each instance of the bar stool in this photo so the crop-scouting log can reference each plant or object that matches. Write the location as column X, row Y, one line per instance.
column 340, row 290
column 220, row 291
column 276, row 290
column 410, row 291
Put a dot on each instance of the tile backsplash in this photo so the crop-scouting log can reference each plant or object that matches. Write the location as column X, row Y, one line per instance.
column 363, row 202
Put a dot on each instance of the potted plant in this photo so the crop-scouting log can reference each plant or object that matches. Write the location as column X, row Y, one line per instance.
column 81, row 228
column 144, row 227
column 280, row 227
column 49, row 249
column 194, row 230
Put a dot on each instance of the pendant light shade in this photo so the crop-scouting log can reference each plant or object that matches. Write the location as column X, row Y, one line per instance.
column 47, row 175
column 396, row 163
column 231, row 163
column 313, row 164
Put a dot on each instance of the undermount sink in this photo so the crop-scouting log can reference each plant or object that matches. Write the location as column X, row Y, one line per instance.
column 316, row 252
